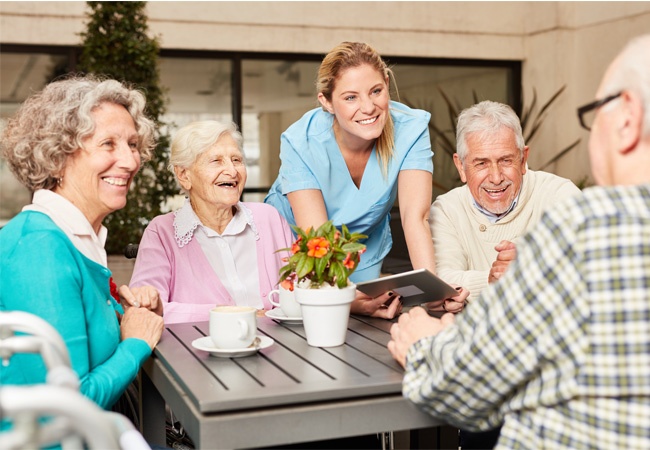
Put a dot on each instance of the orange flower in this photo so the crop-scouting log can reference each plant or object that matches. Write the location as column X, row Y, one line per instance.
column 318, row 247
column 287, row 284
column 295, row 248
column 348, row 262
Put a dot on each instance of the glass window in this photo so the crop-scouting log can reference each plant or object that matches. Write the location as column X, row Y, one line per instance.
column 275, row 93
column 197, row 89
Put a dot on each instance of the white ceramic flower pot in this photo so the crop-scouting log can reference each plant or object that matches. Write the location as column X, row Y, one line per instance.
column 325, row 314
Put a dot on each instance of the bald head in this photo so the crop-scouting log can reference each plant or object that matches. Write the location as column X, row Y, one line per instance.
column 619, row 144
column 630, row 71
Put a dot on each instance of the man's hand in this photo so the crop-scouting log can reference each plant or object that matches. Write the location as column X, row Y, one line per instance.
column 413, row 326
column 507, row 252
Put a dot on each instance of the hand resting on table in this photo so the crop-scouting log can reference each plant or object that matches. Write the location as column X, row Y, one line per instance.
column 413, row 326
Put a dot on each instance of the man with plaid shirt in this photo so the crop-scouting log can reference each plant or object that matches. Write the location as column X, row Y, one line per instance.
column 558, row 351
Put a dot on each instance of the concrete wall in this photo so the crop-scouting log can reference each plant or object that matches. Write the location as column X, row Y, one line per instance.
column 560, row 42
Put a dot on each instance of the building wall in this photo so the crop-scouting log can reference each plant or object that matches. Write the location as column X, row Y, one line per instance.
column 561, row 43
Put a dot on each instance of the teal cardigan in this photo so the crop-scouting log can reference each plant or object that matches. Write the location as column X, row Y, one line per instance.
column 43, row 273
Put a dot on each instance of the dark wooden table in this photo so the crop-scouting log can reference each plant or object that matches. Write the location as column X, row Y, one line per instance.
column 287, row 393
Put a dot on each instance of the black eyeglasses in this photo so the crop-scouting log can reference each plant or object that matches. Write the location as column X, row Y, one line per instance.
column 587, row 113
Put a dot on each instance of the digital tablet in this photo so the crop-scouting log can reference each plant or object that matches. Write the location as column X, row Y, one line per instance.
column 415, row 287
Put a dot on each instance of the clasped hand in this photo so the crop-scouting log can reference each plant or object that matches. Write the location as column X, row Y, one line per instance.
column 143, row 312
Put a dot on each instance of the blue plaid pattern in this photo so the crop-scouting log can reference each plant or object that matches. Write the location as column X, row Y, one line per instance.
column 559, row 350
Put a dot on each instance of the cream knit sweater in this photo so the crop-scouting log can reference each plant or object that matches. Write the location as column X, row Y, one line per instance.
column 464, row 239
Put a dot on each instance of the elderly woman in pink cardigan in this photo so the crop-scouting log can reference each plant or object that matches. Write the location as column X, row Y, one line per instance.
column 214, row 249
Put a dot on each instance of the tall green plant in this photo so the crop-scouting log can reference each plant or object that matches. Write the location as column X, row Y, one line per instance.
column 116, row 44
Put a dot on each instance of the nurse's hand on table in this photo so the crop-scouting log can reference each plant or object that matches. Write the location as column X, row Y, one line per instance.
column 453, row 305
column 142, row 324
column 141, row 297
column 413, row 326
column 386, row 306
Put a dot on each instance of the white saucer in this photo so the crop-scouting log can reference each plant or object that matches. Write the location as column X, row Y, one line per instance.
column 277, row 314
column 206, row 344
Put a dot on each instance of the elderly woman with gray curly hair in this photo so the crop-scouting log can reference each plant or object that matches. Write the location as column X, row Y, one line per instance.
column 77, row 146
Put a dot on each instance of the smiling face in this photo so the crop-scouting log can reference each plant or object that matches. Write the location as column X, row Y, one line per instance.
column 493, row 169
column 360, row 105
column 97, row 176
column 216, row 179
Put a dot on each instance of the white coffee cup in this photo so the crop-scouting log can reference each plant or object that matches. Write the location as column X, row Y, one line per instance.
column 290, row 307
column 233, row 327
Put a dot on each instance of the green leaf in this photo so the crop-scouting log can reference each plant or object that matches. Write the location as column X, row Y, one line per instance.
column 353, row 247
column 324, row 228
column 357, row 236
column 321, row 264
column 299, row 232
column 304, row 266
column 559, row 155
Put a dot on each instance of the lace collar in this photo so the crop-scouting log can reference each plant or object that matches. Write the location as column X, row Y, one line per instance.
column 186, row 221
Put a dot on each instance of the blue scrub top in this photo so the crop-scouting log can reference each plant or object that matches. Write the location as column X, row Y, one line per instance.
column 311, row 159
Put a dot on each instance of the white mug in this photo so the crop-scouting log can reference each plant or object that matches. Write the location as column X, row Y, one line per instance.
column 233, row 327
column 290, row 307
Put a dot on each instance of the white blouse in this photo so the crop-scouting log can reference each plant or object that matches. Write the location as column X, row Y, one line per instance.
column 232, row 254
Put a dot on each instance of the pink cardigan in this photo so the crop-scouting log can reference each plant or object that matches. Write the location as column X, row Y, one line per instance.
column 187, row 284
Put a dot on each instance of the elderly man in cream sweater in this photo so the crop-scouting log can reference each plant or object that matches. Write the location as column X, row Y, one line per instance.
column 474, row 226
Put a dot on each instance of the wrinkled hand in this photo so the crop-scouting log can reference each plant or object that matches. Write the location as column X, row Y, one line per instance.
column 141, row 297
column 507, row 252
column 141, row 323
column 377, row 307
column 413, row 326
column 453, row 305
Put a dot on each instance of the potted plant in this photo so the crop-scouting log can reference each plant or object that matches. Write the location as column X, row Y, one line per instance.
column 318, row 272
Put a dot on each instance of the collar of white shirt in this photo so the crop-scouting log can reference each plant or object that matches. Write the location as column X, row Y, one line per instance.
column 73, row 223
column 186, row 221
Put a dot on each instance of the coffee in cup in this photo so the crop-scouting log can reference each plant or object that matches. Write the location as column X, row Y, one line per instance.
column 233, row 327
column 287, row 302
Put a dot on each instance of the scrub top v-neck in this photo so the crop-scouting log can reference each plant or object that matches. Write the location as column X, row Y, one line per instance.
column 311, row 159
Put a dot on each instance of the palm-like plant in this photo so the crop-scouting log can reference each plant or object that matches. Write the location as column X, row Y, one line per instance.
column 531, row 120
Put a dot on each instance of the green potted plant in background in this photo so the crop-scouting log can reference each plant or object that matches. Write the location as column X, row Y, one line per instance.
column 318, row 272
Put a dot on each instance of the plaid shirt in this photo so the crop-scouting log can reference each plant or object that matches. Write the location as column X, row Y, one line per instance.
column 559, row 350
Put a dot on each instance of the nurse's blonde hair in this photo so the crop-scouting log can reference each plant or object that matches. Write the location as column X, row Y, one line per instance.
column 354, row 54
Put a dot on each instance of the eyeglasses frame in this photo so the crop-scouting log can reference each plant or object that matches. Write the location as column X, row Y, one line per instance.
column 593, row 105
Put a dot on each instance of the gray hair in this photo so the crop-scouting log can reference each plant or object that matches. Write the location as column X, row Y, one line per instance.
column 195, row 138
column 631, row 71
column 51, row 125
column 485, row 118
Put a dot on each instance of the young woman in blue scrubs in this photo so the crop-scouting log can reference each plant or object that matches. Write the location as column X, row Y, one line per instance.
column 350, row 159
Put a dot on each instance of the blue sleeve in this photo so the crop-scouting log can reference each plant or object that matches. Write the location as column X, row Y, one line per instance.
column 105, row 383
column 419, row 156
column 63, row 290
column 295, row 172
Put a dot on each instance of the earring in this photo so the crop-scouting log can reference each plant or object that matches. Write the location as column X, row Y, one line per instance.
column 59, row 181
